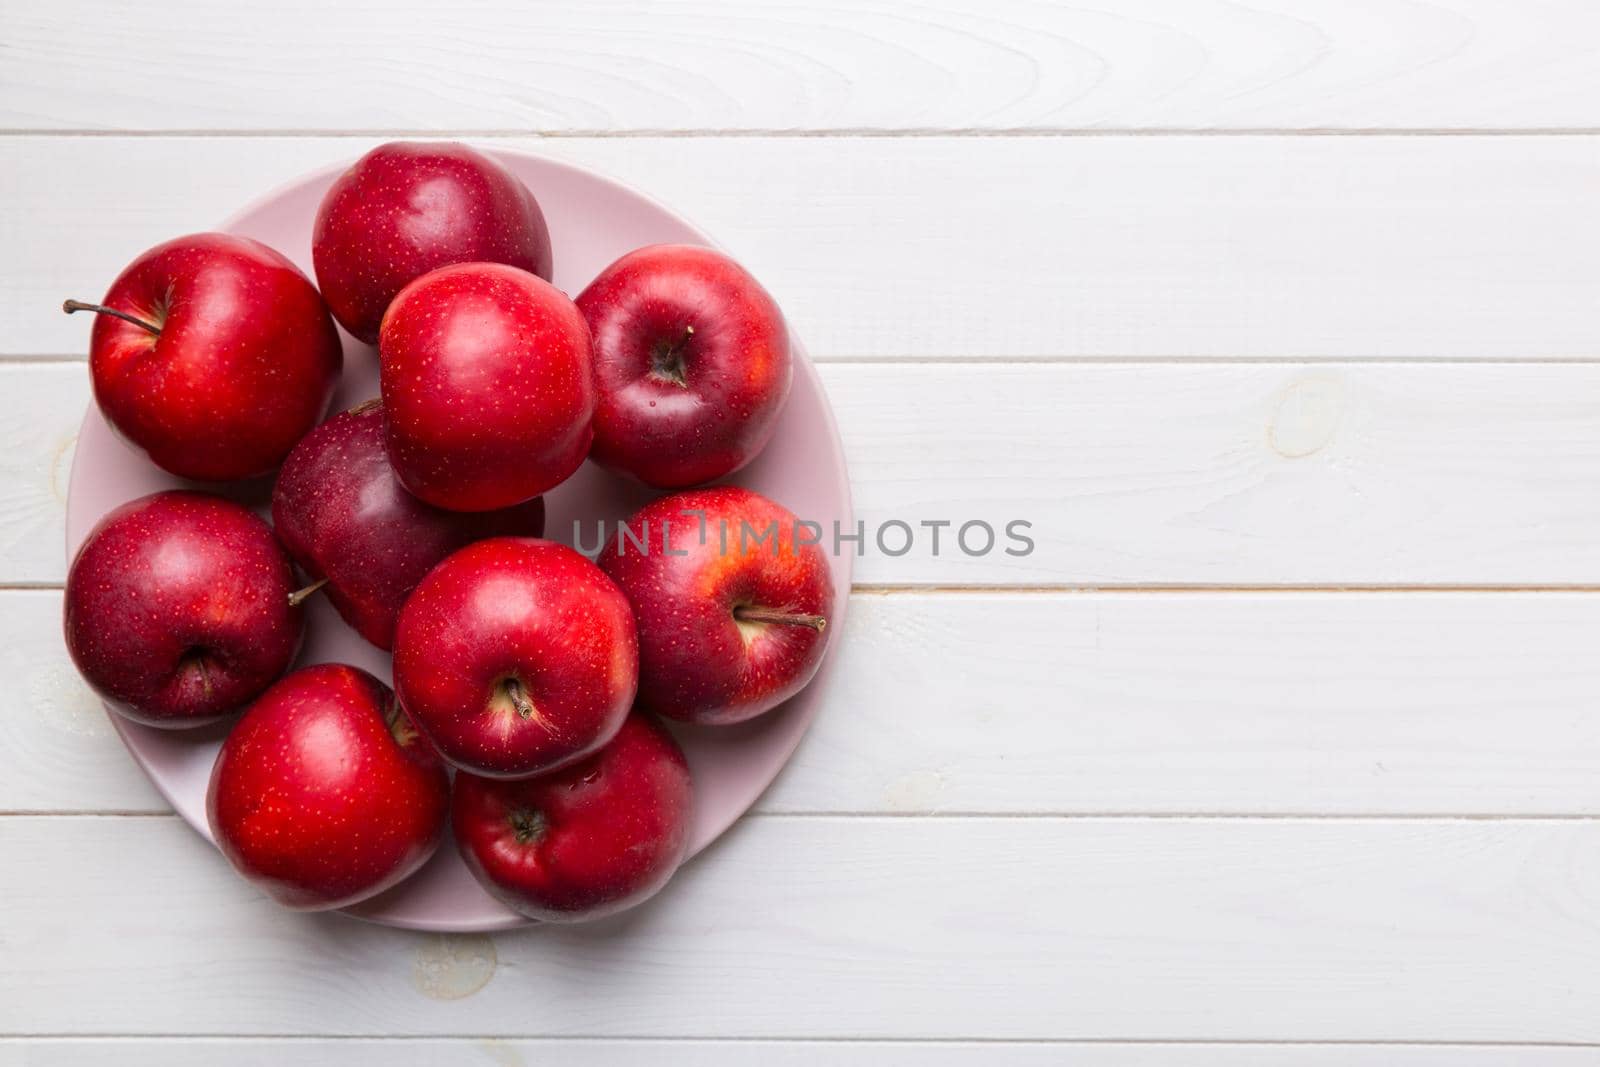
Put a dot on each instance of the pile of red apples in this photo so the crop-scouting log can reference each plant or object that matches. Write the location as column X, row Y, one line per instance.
column 527, row 679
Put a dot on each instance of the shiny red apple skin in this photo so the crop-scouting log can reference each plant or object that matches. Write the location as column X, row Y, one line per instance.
column 523, row 610
column 406, row 208
column 487, row 385
column 177, row 609
column 585, row 842
column 692, row 364
column 697, row 661
column 344, row 516
column 323, row 794
column 244, row 365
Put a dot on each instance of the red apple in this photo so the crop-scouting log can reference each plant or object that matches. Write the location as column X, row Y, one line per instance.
column 213, row 355
column 178, row 608
column 345, row 518
column 487, row 386
column 324, row 794
column 691, row 363
column 404, row 209
column 516, row 656
column 588, row 841
column 731, row 608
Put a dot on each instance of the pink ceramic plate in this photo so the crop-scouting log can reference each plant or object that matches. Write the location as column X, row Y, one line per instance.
column 592, row 220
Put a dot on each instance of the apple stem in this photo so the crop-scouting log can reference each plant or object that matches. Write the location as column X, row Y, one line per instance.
column 205, row 674
column 69, row 306
column 518, row 697
column 399, row 724
column 787, row 618
column 299, row 596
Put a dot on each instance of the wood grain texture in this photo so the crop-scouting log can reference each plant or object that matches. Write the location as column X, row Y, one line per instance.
column 864, row 928
column 778, row 64
column 525, row 1052
column 41, row 407
column 1212, row 360
column 58, row 751
column 1170, row 474
column 1231, row 474
column 1269, row 704
column 1145, row 248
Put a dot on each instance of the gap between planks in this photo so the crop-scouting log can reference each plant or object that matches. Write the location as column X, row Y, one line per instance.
column 1092, row 1042
column 885, row 589
column 1110, row 360
column 956, row 815
column 838, row 133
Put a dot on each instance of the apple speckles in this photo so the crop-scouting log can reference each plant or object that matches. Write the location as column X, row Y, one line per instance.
column 591, row 839
column 245, row 362
column 405, row 209
column 692, row 363
column 167, row 580
column 453, row 966
column 314, row 800
column 487, row 384
column 341, row 512
column 698, row 662
column 524, row 608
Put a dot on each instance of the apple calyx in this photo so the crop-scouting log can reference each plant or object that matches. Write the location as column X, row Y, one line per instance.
column 197, row 659
column 299, row 596
column 69, row 306
column 527, row 826
column 786, row 618
column 666, row 360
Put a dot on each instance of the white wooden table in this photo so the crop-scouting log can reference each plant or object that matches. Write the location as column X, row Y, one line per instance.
column 1281, row 323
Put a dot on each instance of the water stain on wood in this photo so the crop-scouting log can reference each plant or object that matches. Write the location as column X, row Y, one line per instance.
column 453, row 966
column 1307, row 416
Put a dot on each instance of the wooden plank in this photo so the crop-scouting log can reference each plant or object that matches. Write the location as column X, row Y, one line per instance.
column 41, row 407
column 1147, row 247
column 58, row 751
column 1171, row 474
column 418, row 1052
column 1351, row 474
column 778, row 64
column 1241, row 703
column 1342, row 704
column 1231, row 930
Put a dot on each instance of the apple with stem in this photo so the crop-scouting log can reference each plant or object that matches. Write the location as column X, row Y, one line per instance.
column 585, row 842
column 213, row 355
column 324, row 794
column 179, row 608
column 406, row 208
column 692, row 365
column 516, row 656
column 355, row 530
column 487, row 385
column 730, row 599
